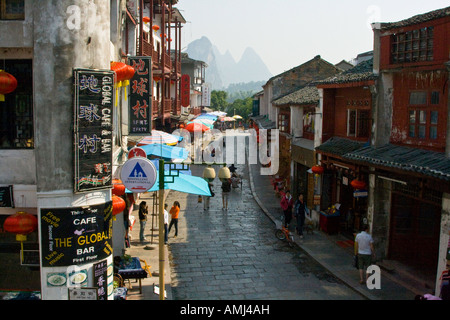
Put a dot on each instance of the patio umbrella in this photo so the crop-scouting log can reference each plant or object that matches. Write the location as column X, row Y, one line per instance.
column 228, row 119
column 206, row 122
column 191, row 127
column 159, row 137
column 165, row 151
column 237, row 116
column 185, row 183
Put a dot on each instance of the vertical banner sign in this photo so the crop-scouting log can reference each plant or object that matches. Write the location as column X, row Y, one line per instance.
column 75, row 236
column 100, row 279
column 206, row 95
column 185, row 90
column 94, row 95
column 140, row 99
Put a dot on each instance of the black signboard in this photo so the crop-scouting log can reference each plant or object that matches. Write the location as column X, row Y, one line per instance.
column 100, row 279
column 93, row 126
column 76, row 236
column 140, row 99
column 6, row 197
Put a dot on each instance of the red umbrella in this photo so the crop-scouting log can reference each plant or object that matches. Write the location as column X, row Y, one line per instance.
column 195, row 126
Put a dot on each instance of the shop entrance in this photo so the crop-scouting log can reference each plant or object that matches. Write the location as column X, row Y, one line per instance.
column 414, row 233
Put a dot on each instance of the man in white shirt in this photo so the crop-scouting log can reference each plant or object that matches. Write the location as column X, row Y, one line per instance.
column 365, row 250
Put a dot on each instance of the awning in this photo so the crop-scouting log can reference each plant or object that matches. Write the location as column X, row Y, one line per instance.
column 428, row 163
column 340, row 146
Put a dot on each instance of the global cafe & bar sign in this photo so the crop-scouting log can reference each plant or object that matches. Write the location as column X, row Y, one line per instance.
column 93, row 114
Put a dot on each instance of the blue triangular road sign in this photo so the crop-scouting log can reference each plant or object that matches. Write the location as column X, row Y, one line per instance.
column 137, row 172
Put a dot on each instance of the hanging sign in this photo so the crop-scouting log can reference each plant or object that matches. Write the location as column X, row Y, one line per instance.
column 361, row 194
column 140, row 99
column 185, row 90
column 138, row 174
column 93, row 102
column 6, row 196
column 75, row 236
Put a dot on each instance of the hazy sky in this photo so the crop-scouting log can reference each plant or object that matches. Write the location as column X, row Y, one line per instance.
column 287, row 33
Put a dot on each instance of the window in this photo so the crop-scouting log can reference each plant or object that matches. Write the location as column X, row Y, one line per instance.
column 283, row 122
column 423, row 118
column 358, row 123
column 308, row 122
column 12, row 9
column 16, row 112
column 413, row 46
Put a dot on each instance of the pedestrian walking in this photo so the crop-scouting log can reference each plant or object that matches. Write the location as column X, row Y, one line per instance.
column 235, row 180
column 300, row 213
column 174, row 211
column 206, row 199
column 226, row 188
column 166, row 224
column 143, row 212
column 365, row 251
column 286, row 204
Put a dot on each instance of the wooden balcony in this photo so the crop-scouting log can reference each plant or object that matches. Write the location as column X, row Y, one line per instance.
column 176, row 106
column 167, row 61
column 147, row 48
column 155, row 108
column 167, row 106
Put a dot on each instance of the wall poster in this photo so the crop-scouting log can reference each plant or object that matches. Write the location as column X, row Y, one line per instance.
column 93, row 125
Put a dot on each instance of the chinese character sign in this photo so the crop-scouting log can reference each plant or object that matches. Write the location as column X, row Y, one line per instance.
column 140, row 99
column 185, row 90
column 93, row 103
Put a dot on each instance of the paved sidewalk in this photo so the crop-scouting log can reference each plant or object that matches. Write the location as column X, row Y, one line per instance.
column 324, row 248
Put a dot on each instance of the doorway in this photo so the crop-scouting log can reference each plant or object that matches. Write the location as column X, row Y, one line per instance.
column 414, row 232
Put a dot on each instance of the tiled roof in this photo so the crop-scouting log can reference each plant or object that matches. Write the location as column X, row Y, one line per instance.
column 429, row 163
column 263, row 122
column 340, row 146
column 304, row 96
column 361, row 72
column 421, row 18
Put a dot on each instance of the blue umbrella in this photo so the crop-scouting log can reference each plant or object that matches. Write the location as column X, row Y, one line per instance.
column 184, row 183
column 165, row 151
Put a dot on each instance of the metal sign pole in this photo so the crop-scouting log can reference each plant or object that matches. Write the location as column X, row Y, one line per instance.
column 161, row 230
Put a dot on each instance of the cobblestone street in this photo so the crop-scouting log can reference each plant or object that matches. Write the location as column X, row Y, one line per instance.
column 234, row 254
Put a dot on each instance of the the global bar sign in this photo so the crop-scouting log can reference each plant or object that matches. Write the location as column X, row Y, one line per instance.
column 74, row 236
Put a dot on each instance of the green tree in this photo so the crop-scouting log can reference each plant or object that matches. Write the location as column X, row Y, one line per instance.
column 219, row 100
column 242, row 107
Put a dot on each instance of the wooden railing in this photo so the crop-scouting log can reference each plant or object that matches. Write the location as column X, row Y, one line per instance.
column 167, row 106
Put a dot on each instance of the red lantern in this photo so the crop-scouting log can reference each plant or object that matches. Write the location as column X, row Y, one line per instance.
column 21, row 223
column 8, row 83
column 118, row 188
column 358, row 184
column 155, row 28
column 120, row 69
column 118, row 205
column 146, row 19
column 317, row 169
column 130, row 73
